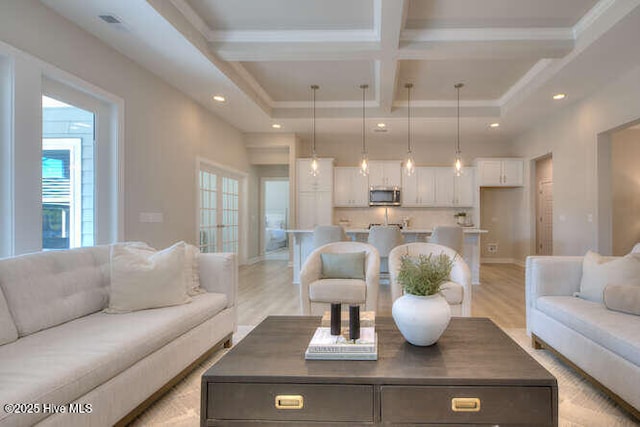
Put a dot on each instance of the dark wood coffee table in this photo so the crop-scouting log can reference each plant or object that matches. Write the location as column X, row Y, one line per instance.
column 475, row 374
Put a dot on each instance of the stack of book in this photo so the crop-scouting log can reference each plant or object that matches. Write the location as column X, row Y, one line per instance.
column 324, row 346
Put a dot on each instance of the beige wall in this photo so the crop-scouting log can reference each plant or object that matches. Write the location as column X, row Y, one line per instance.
column 498, row 217
column 625, row 189
column 164, row 129
column 572, row 137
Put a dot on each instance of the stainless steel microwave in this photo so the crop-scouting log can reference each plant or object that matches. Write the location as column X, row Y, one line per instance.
column 387, row 196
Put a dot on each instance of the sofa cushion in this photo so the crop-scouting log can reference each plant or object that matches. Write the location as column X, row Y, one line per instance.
column 599, row 271
column 624, row 298
column 49, row 288
column 615, row 331
column 63, row 363
column 8, row 331
column 141, row 279
column 344, row 291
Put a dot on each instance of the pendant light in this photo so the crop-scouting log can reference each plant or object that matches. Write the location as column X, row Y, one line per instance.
column 315, row 165
column 457, row 165
column 409, row 164
column 364, row 162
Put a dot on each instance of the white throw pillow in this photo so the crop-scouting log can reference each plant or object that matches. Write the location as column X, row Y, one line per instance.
column 599, row 271
column 192, row 271
column 142, row 279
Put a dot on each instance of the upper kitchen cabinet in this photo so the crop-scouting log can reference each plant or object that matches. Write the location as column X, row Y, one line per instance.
column 464, row 188
column 350, row 189
column 321, row 182
column 445, row 195
column 507, row 172
column 419, row 188
column 438, row 187
column 385, row 174
column 314, row 194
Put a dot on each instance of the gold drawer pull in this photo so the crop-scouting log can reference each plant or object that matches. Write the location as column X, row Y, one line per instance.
column 465, row 404
column 289, row 401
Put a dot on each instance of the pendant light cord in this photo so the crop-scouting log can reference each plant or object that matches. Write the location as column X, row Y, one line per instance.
column 313, row 136
column 408, row 86
column 458, row 86
column 364, row 147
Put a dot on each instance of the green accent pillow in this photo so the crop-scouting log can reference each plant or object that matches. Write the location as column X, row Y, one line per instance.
column 346, row 265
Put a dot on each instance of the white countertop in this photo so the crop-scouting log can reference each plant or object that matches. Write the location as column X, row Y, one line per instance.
column 466, row 230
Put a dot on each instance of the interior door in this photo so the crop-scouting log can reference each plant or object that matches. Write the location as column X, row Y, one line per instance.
column 219, row 210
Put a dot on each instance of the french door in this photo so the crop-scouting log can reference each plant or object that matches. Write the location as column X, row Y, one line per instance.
column 219, row 198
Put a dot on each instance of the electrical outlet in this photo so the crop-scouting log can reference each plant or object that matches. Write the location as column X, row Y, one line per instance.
column 492, row 248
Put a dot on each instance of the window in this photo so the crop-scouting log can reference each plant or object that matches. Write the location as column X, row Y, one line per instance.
column 67, row 175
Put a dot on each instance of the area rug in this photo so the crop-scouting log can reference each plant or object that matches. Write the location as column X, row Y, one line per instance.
column 580, row 404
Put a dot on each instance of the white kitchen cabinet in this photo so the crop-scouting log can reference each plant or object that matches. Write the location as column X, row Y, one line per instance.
column 385, row 174
column 314, row 200
column 444, row 194
column 464, row 188
column 508, row 172
column 419, row 188
column 350, row 188
column 321, row 182
column 314, row 208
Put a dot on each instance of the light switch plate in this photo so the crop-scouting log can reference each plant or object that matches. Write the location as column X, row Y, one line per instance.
column 154, row 217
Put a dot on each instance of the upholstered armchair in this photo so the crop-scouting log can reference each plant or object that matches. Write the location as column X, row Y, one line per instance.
column 317, row 292
column 457, row 292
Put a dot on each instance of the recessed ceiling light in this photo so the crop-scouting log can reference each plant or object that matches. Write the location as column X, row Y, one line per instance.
column 382, row 125
column 559, row 96
column 219, row 98
column 276, row 125
column 494, row 125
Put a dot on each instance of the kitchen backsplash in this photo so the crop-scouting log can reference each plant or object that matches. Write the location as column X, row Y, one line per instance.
column 418, row 218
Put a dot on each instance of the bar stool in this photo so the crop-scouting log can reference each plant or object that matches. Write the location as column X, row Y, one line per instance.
column 384, row 238
column 449, row 236
column 324, row 234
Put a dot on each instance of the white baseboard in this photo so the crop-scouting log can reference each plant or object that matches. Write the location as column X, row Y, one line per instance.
column 255, row 260
column 502, row 261
column 497, row 261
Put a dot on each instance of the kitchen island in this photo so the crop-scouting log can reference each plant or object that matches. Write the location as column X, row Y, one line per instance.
column 303, row 245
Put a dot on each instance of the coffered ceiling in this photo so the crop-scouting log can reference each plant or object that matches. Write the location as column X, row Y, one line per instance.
column 263, row 55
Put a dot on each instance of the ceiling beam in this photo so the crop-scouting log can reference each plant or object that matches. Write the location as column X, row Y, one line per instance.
column 392, row 16
column 295, row 51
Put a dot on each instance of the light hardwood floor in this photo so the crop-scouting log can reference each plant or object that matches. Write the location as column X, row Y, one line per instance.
column 265, row 288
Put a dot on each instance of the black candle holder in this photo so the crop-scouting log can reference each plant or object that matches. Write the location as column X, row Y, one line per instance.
column 336, row 318
column 354, row 322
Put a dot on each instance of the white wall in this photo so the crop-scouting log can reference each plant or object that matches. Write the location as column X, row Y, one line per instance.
column 572, row 137
column 164, row 129
column 347, row 150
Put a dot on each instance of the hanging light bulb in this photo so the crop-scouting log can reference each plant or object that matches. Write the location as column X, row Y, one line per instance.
column 457, row 165
column 364, row 162
column 409, row 164
column 315, row 164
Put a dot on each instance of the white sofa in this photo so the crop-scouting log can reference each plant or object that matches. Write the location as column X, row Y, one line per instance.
column 602, row 343
column 59, row 348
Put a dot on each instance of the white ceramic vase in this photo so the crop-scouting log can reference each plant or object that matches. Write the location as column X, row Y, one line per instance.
column 421, row 319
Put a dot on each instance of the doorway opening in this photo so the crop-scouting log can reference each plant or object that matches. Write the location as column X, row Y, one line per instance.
column 274, row 205
column 544, row 205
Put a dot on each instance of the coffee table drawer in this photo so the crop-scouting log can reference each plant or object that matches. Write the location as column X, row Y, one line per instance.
column 492, row 405
column 290, row 402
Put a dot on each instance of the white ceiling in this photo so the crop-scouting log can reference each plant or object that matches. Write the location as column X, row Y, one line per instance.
column 263, row 55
